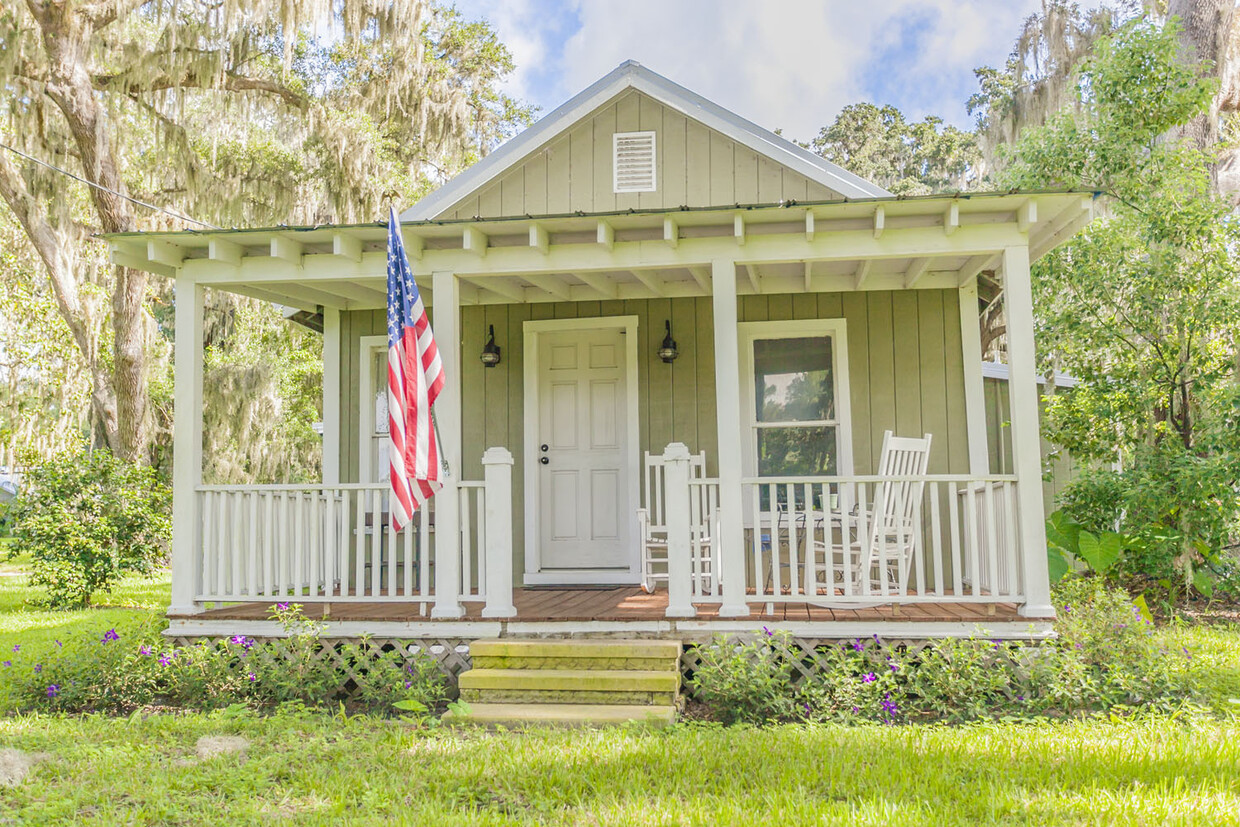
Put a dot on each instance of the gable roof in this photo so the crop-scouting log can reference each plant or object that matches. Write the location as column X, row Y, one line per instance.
column 632, row 75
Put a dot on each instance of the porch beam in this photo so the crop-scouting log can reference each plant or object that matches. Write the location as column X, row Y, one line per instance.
column 728, row 424
column 1026, row 215
column 951, row 218
column 604, row 287
column 1026, row 432
column 348, row 247
column 186, row 445
column 225, row 251
column 738, row 229
column 671, row 233
column 331, row 396
column 863, row 273
column 553, row 285
column 500, row 286
column 652, row 282
column 415, row 246
column 161, row 252
column 844, row 245
column 916, row 269
column 751, row 275
column 974, row 267
column 702, row 276
column 446, row 320
column 880, row 222
column 809, row 225
column 288, row 250
column 474, row 241
column 1065, row 225
column 539, row 238
column 606, row 235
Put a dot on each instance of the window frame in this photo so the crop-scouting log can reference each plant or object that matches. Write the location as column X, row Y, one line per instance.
column 834, row 329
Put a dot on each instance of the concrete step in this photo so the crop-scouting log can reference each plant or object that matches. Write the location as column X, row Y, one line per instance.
column 561, row 714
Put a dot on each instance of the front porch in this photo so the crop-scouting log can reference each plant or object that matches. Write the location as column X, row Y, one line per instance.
column 885, row 290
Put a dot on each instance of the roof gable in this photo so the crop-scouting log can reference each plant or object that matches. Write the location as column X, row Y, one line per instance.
column 631, row 98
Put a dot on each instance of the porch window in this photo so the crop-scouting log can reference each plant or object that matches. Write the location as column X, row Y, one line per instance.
column 796, row 385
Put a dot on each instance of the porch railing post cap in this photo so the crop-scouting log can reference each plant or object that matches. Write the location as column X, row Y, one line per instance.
column 497, row 455
column 676, row 451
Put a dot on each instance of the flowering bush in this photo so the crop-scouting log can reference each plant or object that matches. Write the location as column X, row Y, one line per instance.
column 120, row 670
column 1104, row 657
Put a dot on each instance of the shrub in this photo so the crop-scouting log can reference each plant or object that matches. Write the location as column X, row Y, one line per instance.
column 1104, row 657
column 121, row 670
column 86, row 518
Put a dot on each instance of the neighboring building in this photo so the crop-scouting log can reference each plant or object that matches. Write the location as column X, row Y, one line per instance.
column 634, row 212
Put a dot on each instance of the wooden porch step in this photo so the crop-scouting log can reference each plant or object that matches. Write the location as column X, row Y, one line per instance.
column 591, row 655
column 561, row 714
column 569, row 686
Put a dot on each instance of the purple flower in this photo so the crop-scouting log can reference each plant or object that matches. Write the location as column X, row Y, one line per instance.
column 8, row 663
column 768, row 632
column 281, row 607
column 17, row 647
column 59, row 644
column 110, row 634
column 167, row 658
column 895, row 668
column 241, row 640
column 252, row 678
column 890, row 708
column 144, row 650
column 806, row 708
column 1020, row 698
column 859, row 646
column 38, row 667
column 869, row 677
column 408, row 684
column 856, row 709
column 53, row 691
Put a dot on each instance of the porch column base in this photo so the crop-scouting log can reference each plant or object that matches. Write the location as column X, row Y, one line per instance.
column 680, row 611
column 498, row 612
column 191, row 609
column 447, row 612
column 1038, row 610
column 734, row 610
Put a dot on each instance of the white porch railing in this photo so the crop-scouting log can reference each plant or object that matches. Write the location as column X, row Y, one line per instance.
column 842, row 540
column 308, row 543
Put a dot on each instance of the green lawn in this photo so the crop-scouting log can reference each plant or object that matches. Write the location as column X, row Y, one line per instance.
column 309, row 767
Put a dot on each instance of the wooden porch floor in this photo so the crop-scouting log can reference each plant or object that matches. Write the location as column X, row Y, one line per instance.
column 624, row 603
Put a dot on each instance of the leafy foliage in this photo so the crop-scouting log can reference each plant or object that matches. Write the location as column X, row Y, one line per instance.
column 86, row 518
column 121, row 670
column 1104, row 657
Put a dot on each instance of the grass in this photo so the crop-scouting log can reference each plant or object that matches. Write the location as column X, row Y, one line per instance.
column 310, row 767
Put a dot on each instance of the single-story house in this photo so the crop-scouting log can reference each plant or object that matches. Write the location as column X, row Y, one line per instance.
column 699, row 379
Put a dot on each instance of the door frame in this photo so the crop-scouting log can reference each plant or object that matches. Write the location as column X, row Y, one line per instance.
column 531, row 331
column 366, row 403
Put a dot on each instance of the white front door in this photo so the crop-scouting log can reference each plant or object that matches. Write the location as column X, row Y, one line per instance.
column 582, row 454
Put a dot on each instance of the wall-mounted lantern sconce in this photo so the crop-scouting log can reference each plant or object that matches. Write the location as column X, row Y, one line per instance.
column 490, row 352
column 668, row 350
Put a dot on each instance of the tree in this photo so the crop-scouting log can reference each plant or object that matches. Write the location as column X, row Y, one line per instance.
column 877, row 143
column 243, row 112
column 1143, row 307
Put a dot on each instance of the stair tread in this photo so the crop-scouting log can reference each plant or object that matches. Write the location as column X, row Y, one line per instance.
column 597, row 679
column 485, row 713
column 587, row 648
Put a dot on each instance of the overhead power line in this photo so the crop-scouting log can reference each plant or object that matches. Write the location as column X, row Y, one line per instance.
column 105, row 189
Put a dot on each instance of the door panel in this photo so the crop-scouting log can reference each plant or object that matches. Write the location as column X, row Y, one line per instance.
column 583, row 488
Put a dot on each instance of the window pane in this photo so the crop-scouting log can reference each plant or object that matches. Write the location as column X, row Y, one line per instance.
column 796, row 452
column 792, row 379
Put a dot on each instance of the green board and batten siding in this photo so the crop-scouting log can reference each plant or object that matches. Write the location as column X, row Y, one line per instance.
column 694, row 165
column 905, row 374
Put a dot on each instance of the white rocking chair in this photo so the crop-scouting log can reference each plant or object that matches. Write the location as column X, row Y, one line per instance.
column 652, row 526
column 888, row 532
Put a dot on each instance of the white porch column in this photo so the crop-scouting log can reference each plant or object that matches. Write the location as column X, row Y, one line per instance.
column 186, row 446
column 1026, row 431
column 728, row 419
column 331, row 396
column 446, row 322
column 497, row 475
column 974, row 388
column 676, row 512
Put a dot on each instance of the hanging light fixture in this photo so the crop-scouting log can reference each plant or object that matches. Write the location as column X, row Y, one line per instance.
column 490, row 351
column 668, row 350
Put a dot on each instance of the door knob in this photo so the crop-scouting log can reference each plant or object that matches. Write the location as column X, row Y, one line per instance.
column 544, row 448
column 544, row 460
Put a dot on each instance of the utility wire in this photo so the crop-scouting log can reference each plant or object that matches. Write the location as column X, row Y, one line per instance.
column 105, row 189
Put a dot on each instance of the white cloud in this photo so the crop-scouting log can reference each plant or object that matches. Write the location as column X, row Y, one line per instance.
column 781, row 63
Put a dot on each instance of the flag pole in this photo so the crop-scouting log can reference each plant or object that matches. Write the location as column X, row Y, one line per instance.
column 443, row 458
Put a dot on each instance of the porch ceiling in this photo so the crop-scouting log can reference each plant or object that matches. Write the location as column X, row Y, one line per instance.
column 876, row 244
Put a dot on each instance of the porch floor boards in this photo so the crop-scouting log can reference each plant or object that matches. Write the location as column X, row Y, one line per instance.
column 622, row 603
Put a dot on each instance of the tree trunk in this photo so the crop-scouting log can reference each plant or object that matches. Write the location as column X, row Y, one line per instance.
column 66, row 33
column 1205, row 36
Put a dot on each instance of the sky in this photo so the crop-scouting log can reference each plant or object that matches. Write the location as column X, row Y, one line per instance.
column 784, row 64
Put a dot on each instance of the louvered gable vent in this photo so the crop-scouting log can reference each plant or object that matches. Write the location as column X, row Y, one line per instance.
column 633, row 161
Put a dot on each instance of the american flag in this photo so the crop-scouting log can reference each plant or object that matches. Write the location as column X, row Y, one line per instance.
column 415, row 378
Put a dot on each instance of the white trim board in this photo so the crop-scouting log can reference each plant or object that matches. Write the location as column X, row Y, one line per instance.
column 530, row 333
column 365, row 403
column 632, row 75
